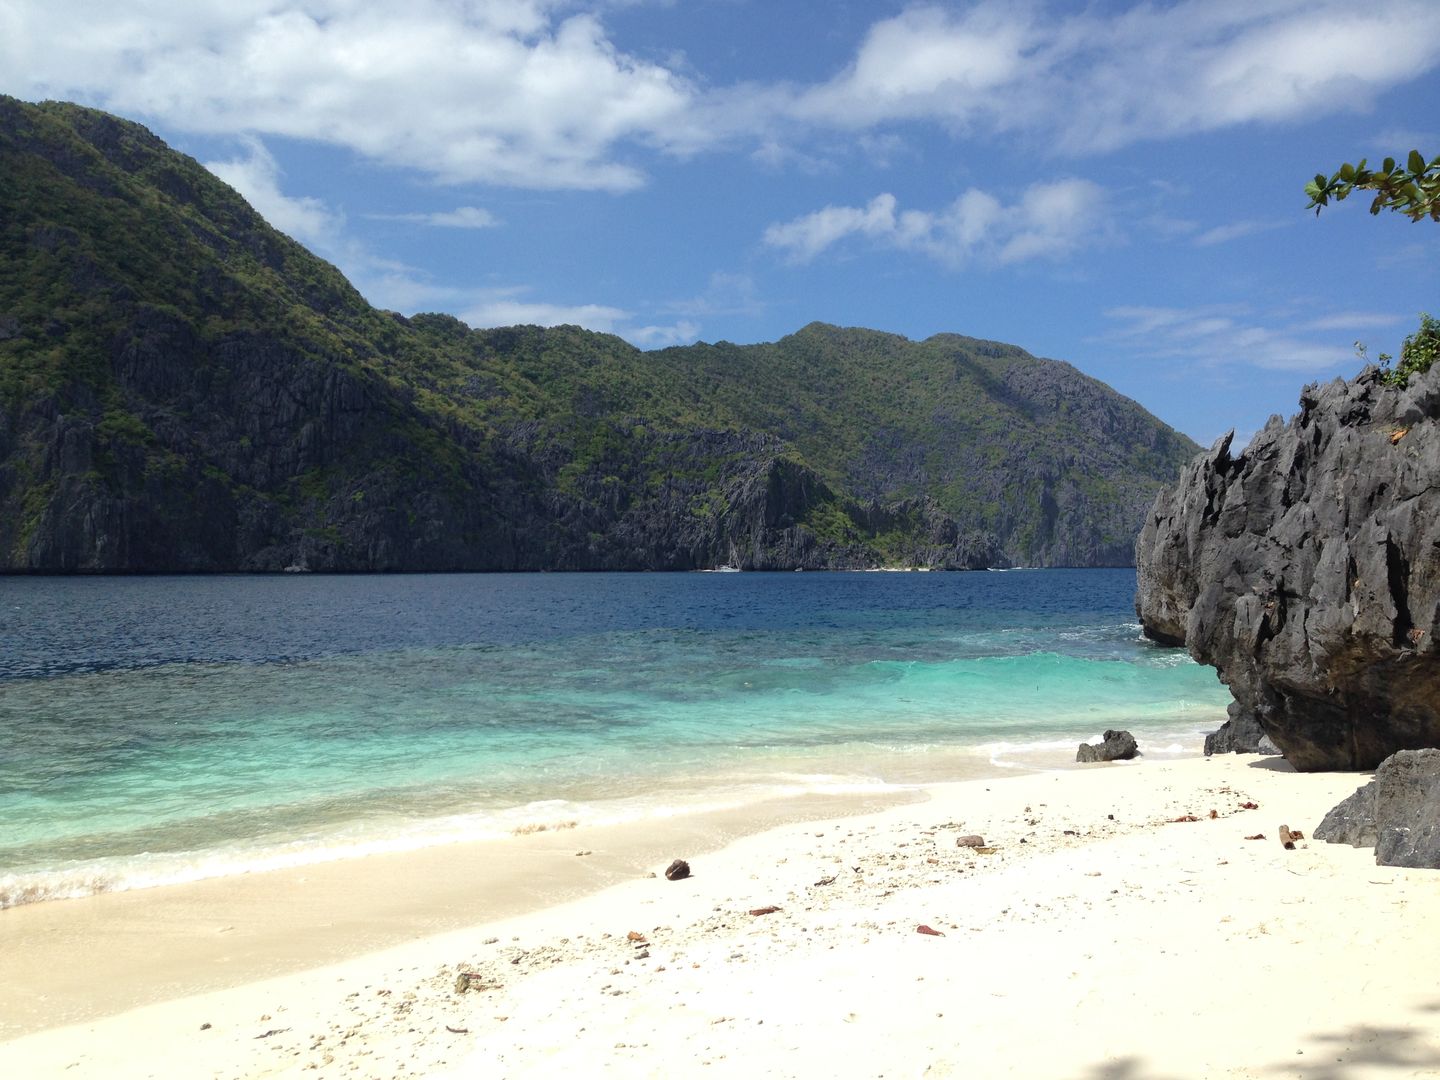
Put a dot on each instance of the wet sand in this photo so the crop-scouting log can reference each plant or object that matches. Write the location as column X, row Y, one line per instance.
column 1094, row 935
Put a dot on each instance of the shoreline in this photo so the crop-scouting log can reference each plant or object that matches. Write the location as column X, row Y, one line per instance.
column 1085, row 944
column 84, row 958
column 850, row 772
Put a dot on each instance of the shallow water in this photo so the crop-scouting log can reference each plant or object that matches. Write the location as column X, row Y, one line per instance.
column 166, row 729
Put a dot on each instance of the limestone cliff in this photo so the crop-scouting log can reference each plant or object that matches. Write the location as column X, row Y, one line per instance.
column 183, row 388
column 1306, row 569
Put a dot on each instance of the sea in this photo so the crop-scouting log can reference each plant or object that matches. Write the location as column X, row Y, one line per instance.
column 156, row 730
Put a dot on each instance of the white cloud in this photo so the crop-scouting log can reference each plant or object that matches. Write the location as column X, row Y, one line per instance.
column 1355, row 320
column 509, row 307
column 502, row 91
column 926, row 63
column 1223, row 234
column 1148, row 71
column 513, row 306
column 257, row 177
column 462, row 217
column 536, row 94
column 398, row 287
column 658, row 337
column 1049, row 220
column 807, row 236
column 322, row 229
column 1223, row 336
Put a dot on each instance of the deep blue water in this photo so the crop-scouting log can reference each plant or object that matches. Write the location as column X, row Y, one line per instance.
column 165, row 728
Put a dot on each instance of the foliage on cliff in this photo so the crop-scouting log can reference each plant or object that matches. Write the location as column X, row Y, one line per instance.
column 182, row 387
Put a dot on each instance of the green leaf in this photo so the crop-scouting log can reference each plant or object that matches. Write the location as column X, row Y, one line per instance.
column 1416, row 162
column 1347, row 172
column 1389, row 166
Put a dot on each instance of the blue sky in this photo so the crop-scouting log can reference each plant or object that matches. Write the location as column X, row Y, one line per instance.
column 1118, row 185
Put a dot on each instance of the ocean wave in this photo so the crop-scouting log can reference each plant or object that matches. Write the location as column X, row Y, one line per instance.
column 360, row 839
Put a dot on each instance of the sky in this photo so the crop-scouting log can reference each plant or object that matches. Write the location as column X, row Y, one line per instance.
column 1118, row 185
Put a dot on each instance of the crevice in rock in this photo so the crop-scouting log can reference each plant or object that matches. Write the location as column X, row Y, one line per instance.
column 1397, row 568
column 1270, row 622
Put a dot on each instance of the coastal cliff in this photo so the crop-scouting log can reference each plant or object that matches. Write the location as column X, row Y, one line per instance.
column 1306, row 570
column 185, row 389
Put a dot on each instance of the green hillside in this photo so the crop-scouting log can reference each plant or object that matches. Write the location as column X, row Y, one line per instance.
column 184, row 388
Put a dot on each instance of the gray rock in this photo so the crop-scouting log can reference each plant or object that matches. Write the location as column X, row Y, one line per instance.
column 1115, row 746
column 1241, row 734
column 1407, row 810
column 1306, row 571
column 1351, row 821
column 1398, row 813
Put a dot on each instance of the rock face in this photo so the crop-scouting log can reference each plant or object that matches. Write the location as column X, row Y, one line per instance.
column 1398, row 812
column 1115, row 746
column 1306, row 570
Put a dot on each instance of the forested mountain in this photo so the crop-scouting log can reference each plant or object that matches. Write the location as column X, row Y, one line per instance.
column 184, row 388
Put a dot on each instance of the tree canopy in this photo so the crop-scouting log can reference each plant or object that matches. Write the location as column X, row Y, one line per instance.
column 1412, row 189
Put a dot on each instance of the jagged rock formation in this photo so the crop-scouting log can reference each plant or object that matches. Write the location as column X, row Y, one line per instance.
column 1306, row 570
column 1113, row 746
column 182, row 388
column 1397, row 813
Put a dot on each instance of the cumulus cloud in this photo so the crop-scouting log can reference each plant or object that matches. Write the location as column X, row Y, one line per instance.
column 502, row 91
column 1149, row 71
column 659, row 337
column 536, row 94
column 1049, row 220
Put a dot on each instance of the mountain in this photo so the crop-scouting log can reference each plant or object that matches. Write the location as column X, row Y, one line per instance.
column 182, row 388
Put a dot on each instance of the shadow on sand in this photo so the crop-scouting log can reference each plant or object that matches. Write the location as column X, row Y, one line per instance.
column 1363, row 1050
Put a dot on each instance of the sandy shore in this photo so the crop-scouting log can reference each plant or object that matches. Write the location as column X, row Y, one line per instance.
column 1099, row 938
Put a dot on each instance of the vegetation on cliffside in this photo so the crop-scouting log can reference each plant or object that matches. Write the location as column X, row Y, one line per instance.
column 184, row 388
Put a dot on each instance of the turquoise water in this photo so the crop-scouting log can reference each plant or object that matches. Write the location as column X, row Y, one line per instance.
column 166, row 729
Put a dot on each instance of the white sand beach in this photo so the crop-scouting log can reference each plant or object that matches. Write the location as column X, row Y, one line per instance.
column 1099, row 938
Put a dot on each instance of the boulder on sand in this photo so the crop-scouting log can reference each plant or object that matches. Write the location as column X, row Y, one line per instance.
column 1115, row 746
column 1398, row 812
